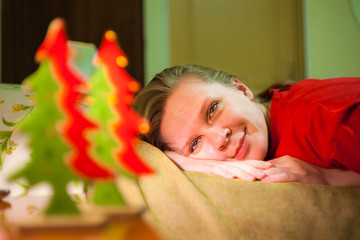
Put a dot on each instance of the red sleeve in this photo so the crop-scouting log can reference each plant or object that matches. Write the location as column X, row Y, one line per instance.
column 346, row 148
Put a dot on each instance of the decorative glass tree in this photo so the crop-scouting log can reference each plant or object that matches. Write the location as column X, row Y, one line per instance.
column 68, row 143
column 110, row 105
column 43, row 124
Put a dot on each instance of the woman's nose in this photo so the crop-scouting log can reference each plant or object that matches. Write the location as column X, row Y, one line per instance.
column 221, row 138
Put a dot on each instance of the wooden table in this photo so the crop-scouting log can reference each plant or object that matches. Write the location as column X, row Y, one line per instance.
column 22, row 219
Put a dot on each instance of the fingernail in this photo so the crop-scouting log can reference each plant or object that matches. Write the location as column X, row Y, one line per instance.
column 251, row 178
column 261, row 175
column 230, row 176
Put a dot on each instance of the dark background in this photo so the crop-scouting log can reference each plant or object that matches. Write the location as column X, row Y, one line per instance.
column 25, row 23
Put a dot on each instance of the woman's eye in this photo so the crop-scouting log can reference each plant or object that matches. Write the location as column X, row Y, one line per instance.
column 212, row 109
column 194, row 145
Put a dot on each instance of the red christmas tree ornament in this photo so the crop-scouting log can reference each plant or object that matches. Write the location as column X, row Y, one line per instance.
column 129, row 124
column 71, row 82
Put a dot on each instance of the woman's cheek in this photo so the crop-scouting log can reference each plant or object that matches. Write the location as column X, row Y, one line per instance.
column 258, row 148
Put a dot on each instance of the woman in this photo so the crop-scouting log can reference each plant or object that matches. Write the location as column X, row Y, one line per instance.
column 208, row 121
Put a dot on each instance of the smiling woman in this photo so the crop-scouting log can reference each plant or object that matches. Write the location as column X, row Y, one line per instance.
column 208, row 121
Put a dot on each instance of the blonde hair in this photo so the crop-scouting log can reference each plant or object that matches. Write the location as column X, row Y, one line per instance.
column 151, row 100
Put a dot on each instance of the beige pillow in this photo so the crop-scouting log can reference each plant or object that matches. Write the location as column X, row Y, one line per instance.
column 190, row 205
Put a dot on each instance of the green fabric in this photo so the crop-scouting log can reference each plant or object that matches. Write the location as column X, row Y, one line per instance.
column 190, row 205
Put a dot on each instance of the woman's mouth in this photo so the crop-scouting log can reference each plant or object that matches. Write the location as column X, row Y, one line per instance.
column 242, row 148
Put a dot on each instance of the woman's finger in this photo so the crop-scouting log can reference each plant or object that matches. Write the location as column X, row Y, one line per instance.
column 213, row 168
column 224, row 170
column 218, row 171
column 245, row 171
column 280, row 177
column 252, row 167
column 254, row 163
column 258, row 164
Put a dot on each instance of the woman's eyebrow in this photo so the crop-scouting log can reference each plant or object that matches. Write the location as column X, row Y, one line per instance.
column 198, row 115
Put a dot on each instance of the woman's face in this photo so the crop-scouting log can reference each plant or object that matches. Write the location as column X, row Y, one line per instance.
column 212, row 121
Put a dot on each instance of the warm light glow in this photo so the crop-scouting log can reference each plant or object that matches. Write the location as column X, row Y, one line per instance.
column 110, row 35
column 121, row 61
column 112, row 100
column 134, row 86
column 144, row 128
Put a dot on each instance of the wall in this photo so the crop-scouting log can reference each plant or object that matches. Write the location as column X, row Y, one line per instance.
column 156, row 38
column 332, row 38
column 258, row 41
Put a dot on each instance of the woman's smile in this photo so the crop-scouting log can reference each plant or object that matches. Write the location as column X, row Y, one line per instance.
column 243, row 146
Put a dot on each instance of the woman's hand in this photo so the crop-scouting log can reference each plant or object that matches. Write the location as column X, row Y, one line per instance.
column 249, row 170
column 291, row 169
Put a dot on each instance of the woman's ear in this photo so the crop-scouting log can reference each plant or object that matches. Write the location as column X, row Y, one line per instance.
column 242, row 87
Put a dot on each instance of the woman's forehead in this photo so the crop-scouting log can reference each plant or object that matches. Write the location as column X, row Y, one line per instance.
column 197, row 84
column 186, row 97
column 191, row 92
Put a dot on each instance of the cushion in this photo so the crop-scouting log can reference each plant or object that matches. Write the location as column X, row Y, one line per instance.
column 191, row 205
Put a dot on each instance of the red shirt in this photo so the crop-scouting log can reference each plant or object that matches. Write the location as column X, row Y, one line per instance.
column 318, row 121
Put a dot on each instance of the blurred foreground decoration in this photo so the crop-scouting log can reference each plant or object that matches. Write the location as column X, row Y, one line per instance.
column 71, row 141
column 110, row 100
